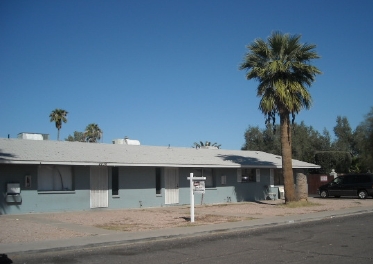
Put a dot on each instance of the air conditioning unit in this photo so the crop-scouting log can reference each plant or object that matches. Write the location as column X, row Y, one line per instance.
column 126, row 141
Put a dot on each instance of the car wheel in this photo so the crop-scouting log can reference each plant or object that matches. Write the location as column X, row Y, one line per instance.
column 324, row 194
column 362, row 194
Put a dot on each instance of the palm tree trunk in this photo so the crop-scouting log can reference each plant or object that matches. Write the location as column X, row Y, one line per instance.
column 287, row 166
column 58, row 134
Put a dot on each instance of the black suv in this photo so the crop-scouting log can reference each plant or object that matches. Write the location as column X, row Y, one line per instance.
column 360, row 185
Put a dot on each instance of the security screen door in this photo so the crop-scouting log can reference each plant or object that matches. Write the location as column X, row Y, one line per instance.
column 99, row 187
column 171, row 185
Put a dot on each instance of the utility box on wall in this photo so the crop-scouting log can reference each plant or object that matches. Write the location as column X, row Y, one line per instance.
column 13, row 193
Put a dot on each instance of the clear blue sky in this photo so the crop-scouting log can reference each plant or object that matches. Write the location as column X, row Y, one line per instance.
column 166, row 72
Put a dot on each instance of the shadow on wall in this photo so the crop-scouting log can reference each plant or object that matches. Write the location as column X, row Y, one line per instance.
column 4, row 205
column 250, row 192
column 240, row 197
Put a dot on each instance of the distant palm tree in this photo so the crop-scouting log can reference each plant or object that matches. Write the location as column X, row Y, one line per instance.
column 93, row 133
column 58, row 116
column 206, row 144
column 282, row 67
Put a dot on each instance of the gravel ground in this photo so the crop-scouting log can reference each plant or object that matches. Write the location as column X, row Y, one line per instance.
column 52, row 226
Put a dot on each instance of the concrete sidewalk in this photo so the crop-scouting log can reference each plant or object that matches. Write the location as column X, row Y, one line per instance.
column 100, row 237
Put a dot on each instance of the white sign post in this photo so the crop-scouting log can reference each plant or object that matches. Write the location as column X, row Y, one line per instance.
column 199, row 188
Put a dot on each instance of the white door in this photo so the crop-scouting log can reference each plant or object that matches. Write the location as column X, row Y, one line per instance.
column 99, row 187
column 171, row 185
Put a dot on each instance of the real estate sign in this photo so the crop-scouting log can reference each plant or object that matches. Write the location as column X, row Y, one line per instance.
column 199, row 187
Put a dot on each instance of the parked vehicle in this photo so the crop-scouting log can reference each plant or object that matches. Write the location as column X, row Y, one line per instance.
column 360, row 185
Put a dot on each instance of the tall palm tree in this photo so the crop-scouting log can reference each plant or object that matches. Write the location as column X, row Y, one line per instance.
column 58, row 116
column 92, row 133
column 282, row 67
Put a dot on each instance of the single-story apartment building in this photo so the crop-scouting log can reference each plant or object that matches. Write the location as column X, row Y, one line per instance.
column 55, row 176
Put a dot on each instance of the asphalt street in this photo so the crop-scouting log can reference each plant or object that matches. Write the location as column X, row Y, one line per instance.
column 334, row 240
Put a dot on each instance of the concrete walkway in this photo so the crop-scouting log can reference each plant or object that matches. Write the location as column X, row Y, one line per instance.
column 99, row 237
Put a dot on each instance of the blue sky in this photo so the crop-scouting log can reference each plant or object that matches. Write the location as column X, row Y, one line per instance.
column 166, row 72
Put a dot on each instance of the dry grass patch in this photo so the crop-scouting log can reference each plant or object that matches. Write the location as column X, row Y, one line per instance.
column 213, row 219
column 228, row 204
column 220, row 205
column 209, row 218
column 118, row 227
column 298, row 204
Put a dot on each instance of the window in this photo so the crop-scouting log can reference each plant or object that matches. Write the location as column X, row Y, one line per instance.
column 278, row 177
column 115, row 181
column 338, row 180
column 349, row 180
column 158, row 187
column 209, row 174
column 246, row 175
column 210, row 179
column 55, row 178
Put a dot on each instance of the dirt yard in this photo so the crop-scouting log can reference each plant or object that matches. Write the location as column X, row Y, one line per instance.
column 52, row 226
